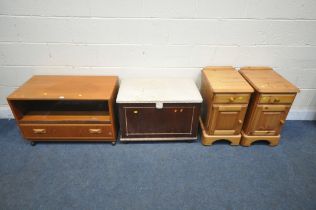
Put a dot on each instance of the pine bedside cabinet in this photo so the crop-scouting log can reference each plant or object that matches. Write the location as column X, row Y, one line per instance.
column 269, row 107
column 158, row 109
column 72, row 108
column 225, row 99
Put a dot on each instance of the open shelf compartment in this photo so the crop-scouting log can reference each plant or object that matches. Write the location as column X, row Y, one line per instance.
column 61, row 111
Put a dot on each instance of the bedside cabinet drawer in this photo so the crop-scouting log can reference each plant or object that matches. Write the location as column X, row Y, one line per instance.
column 231, row 98
column 276, row 98
column 66, row 131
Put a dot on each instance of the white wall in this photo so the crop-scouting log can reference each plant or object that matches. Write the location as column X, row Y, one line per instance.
column 149, row 38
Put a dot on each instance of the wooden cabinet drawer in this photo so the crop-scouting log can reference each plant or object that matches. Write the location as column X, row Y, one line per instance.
column 67, row 131
column 276, row 98
column 231, row 98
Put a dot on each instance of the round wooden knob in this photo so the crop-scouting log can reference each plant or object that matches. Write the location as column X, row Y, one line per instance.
column 231, row 99
column 276, row 100
column 239, row 121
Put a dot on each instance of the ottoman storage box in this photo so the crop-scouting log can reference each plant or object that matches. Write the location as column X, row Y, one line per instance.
column 72, row 108
column 158, row 109
column 269, row 107
column 225, row 100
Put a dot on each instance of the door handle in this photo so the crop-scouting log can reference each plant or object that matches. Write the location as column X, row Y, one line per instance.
column 239, row 121
column 95, row 131
column 39, row 130
column 176, row 110
column 276, row 100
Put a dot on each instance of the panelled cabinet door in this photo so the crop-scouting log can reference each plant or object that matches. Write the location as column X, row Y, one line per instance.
column 227, row 119
column 151, row 121
column 268, row 119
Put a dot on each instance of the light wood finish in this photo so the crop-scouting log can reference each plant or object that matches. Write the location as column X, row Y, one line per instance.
column 227, row 119
column 208, row 140
column 247, row 140
column 265, row 80
column 231, row 98
column 270, row 105
column 225, row 79
column 67, row 131
column 45, row 87
column 66, row 117
column 268, row 119
column 225, row 99
column 276, row 98
column 54, row 108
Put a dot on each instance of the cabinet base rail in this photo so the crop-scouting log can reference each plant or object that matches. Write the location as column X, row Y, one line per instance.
column 158, row 139
column 247, row 140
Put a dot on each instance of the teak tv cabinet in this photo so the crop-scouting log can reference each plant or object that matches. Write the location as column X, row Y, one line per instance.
column 70, row 108
column 158, row 109
column 225, row 100
column 269, row 107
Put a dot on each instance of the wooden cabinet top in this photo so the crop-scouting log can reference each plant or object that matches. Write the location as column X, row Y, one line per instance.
column 266, row 80
column 158, row 90
column 67, row 88
column 224, row 79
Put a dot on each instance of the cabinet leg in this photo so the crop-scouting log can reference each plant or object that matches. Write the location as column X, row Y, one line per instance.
column 244, row 142
column 33, row 143
column 274, row 143
column 190, row 141
column 113, row 143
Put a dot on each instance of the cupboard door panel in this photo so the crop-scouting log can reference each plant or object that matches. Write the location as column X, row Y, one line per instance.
column 227, row 119
column 268, row 119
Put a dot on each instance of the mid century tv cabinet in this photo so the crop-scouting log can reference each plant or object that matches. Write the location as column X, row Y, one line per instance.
column 71, row 108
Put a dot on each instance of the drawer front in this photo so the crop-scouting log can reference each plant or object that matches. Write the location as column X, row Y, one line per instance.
column 276, row 98
column 169, row 121
column 66, row 131
column 231, row 98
